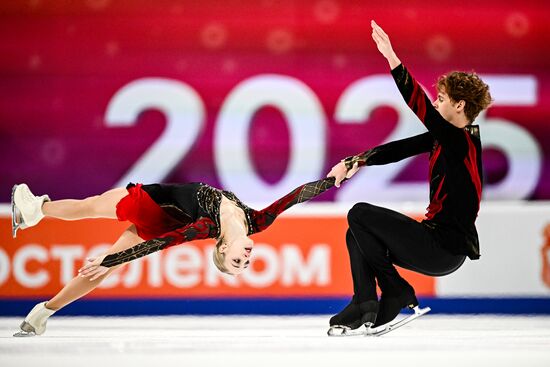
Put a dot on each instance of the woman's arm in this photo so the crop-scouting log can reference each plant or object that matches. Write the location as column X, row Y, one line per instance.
column 261, row 219
column 202, row 228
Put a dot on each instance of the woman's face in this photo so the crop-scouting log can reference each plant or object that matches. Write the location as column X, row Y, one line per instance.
column 237, row 254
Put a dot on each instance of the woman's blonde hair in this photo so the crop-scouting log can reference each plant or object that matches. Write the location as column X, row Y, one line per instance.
column 219, row 257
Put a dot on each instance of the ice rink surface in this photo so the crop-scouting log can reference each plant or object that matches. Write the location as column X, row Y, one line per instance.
column 433, row 340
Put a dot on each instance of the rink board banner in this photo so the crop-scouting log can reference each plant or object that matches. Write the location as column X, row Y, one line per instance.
column 259, row 103
column 300, row 265
column 515, row 255
column 300, row 256
column 297, row 257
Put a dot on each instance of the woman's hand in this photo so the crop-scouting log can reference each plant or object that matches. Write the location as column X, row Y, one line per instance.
column 93, row 269
column 383, row 43
column 339, row 172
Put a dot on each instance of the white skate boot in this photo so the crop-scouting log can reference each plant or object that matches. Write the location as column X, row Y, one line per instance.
column 35, row 322
column 26, row 209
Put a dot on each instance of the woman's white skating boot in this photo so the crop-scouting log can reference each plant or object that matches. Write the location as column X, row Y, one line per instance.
column 26, row 208
column 35, row 322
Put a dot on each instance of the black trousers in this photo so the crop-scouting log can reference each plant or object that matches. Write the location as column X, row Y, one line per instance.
column 378, row 238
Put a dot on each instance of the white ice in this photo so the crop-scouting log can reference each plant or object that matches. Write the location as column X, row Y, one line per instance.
column 433, row 340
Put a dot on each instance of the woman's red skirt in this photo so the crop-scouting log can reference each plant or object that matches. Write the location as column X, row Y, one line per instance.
column 150, row 219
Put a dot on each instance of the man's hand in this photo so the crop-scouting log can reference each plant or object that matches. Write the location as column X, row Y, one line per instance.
column 384, row 45
column 339, row 172
column 93, row 269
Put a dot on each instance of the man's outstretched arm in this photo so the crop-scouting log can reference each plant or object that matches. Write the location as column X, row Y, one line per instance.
column 442, row 130
column 383, row 43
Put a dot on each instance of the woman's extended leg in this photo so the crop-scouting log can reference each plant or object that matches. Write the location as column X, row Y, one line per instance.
column 35, row 322
column 80, row 286
column 99, row 206
column 28, row 210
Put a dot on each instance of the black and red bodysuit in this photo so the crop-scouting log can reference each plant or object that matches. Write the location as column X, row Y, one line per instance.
column 169, row 214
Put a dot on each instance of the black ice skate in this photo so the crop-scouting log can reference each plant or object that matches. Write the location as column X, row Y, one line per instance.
column 390, row 307
column 349, row 321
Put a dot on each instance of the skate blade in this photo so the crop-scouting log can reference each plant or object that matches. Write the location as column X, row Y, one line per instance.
column 26, row 330
column 16, row 217
column 24, row 334
column 342, row 330
column 396, row 324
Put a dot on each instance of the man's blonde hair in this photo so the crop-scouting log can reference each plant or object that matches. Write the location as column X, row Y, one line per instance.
column 219, row 257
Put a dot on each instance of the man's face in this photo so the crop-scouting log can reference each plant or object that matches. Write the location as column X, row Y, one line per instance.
column 444, row 106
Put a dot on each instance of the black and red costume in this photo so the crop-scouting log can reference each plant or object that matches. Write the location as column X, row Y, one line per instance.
column 169, row 214
column 378, row 238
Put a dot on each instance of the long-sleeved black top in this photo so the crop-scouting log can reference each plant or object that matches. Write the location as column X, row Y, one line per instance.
column 197, row 215
column 455, row 168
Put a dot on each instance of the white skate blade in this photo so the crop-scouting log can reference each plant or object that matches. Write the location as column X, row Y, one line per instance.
column 396, row 324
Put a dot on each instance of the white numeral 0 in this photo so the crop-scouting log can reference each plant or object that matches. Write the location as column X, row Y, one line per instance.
column 307, row 127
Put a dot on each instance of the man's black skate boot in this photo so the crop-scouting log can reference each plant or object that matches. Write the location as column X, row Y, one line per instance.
column 391, row 304
column 369, row 312
column 350, row 316
column 356, row 314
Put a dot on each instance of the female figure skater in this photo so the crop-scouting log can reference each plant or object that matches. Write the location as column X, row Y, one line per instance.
column 377, row 237
column 162, row 215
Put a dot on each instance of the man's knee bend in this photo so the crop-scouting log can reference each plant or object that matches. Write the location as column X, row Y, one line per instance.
column 354, row 212
column 359, row 211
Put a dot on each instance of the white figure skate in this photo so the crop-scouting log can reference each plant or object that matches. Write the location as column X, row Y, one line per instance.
column 26, row 208
column 35, row 322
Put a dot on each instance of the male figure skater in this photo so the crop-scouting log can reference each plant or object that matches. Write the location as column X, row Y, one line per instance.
column 379, row 238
